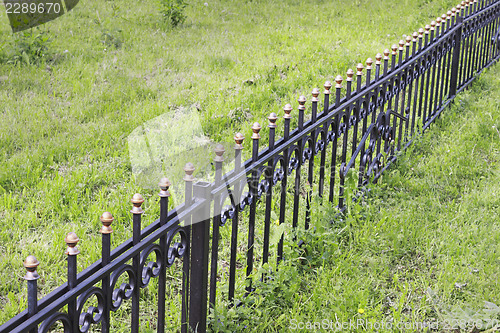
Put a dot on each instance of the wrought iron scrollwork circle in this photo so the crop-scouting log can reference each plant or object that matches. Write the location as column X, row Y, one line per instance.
column 58, row 316
column 93, row 315
column 246, row 201
column 227, row 213
column 278, row 176
column 176, row 250
column 125, row 290
column 152, row 269
column 263, row 187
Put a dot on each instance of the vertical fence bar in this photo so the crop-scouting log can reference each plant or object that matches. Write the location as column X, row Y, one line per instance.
column 269, row 193
column 455, row 61
column 219, row 158
column 394, row 54
column 31, row 263
column 286, row 158
column 253, row 206
column 386, row 61
column 336, row 121
column 321, row 183
column 428, row 73
column 302, row 101
column 326, row 92
column 448, row 60
column 445, row 56
column 369, row 63
column 298, row 175
column 439, row 61
column 356, row 115
column 199, row 260
column 402, row 93
column 136, row 211
column 186, row 259
column 106, row 230
column 238, row 147
column 164, row 194
column 72, row 252
column 378, row 59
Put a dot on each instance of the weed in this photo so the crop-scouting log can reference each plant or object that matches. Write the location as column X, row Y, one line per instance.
column 173, row 11
column 27, row 48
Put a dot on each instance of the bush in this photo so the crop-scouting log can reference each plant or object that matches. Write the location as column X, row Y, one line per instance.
column 173, row 11
column 27, row 48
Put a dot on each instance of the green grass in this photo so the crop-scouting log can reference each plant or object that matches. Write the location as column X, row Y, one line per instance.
column 422, row 247
column 112, row 66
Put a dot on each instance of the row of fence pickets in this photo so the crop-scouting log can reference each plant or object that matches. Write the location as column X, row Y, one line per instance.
column 413, row 44
column 447, row 21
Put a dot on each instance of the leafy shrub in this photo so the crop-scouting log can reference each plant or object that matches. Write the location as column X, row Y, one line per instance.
column 27, row 47
column 173, row 11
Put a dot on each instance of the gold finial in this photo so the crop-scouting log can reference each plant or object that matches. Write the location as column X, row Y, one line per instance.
column 256, row 129
column 459, row 7
column 378, row 57
column 394, row 49
column 453, row 11
column 338, row 80
column 315, row 94
column 31, row 263
column 106, row 219
column 401, row 44
column 359, row 69
column 164, row 184
column 327, row 86
column 438, row 21
column 272, row 120
column 415, row 36
column 408, row 40
column 350, row 73
column 420, row 33
column 369, row 63
column 238, row 139
column 443, row 17
column 288, row 109
column 433, row 25
column 463, row 3
column 188, row 170
column 302, row 100
column 219, row 152
column 386, row 54
column 137, row 201
column 427, row 28
column 71, row 240
column 449, row 14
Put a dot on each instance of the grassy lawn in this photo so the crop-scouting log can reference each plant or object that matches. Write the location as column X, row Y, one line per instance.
column 423, row 247
column 113, row 65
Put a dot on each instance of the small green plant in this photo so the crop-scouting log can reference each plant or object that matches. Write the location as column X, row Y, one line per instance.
column 173, row 11
column 28, row 47
column 111, row 38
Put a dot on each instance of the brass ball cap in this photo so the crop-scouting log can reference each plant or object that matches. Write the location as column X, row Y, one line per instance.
column 71, row 238
column 315, row 92
column 238, row 138
column 165, row 183
column 138, row 199
column 31, row 262
column 106, row 219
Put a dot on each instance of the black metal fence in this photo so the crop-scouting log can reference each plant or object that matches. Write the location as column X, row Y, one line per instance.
column 365, row 125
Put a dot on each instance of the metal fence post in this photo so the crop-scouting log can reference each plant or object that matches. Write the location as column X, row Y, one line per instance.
column 106, row 230
column 200, row 237
column 137, row 200
column 72, row 252
column 456, row 59
column 31, row 263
